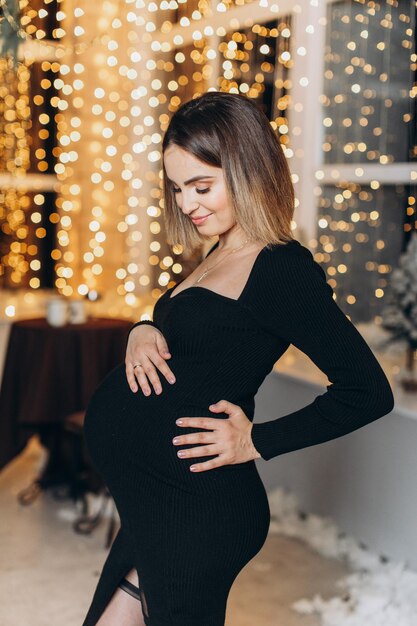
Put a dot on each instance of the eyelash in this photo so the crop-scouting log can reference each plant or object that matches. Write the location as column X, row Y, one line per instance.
column 197, row 190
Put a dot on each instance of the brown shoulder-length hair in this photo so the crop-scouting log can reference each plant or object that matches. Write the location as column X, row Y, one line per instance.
column 230, row 131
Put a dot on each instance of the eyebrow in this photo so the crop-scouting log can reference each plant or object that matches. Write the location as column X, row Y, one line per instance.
column 193, row 179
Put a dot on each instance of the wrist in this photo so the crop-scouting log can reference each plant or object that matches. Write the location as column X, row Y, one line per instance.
column 141, row 323
column 256, row 454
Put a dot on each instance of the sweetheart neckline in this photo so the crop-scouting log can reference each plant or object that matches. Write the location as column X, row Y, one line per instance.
column 216, row 293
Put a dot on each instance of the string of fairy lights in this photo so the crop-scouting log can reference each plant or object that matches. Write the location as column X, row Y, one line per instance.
column 369, row 105
column 25, row 30
column 110, row 90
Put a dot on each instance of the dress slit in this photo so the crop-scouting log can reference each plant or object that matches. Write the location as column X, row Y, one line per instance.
column 145, row 610
column 130, row 588
column 116, row 566
column 138, row 594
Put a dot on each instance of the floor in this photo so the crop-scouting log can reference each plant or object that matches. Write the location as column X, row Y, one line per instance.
column 48, row 573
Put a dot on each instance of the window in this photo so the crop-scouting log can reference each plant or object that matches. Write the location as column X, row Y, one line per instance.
column 368, row 144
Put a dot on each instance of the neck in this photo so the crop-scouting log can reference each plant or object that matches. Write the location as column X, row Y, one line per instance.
column 232, row 239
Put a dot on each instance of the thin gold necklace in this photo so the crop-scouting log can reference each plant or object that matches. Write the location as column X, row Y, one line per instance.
column 210, row 268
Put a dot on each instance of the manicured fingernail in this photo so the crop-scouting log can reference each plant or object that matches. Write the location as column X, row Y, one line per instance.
column 178, row 422
column 172, row 380
column 192, row 468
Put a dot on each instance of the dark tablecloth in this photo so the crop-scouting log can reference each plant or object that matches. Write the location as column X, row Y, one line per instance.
column 50, row 372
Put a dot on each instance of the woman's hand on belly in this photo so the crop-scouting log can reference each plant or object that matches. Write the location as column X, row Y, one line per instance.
column 146, row 345
column 229, row 438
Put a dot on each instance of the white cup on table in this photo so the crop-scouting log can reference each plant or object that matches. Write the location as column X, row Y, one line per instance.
column 77, row 311
column 57, row 311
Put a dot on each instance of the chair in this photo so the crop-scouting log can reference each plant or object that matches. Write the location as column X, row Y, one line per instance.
column 70, row 474
column 84, row 480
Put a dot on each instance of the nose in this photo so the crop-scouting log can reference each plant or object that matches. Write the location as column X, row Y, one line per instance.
column 189, row 206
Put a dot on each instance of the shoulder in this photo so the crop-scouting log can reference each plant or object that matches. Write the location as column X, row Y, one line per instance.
column 291, row 263
column 290, row 294
column 292, row 249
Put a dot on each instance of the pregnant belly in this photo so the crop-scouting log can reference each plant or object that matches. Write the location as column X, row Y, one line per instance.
column 121, row 424
column 127, row 431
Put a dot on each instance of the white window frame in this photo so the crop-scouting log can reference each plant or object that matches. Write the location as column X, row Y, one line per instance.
column 305, row 142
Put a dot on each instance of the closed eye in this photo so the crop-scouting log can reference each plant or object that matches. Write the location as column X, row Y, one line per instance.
column 197, row 190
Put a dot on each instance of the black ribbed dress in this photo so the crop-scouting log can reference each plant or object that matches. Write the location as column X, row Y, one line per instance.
column 190, row 534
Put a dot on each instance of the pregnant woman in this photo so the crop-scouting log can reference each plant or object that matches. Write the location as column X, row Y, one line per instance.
column 171, row 432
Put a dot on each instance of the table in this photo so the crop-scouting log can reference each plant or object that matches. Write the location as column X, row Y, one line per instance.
column 50, row 372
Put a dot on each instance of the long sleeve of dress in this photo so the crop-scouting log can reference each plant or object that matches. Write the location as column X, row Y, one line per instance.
column 297, row 306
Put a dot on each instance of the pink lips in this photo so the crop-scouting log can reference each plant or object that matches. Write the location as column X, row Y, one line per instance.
column 200, row 220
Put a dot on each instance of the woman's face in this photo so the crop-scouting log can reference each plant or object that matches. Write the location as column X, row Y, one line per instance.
column 200, row 190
